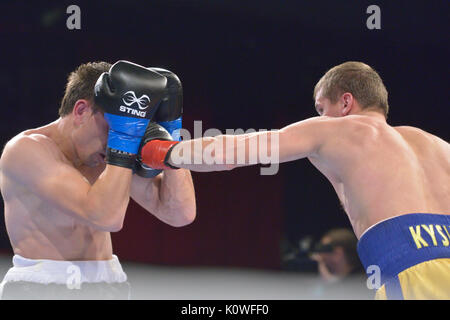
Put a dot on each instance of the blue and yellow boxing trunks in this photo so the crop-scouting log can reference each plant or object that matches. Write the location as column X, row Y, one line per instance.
column 412, row 254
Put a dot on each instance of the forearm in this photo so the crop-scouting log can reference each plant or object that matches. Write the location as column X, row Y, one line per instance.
column 177, row 197
column 202, row 155
column 107, row 199
column 226, row 152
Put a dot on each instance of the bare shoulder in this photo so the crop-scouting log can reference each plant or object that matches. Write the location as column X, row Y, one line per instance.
column 414, row 131
column 425, row 143
column 408, row 130
column 28, row 141
column 315, row 137
column 419, row 134
column 328, row 130
column 349, row 123
column 27, row 148
column 322, row 123
column 354, row 127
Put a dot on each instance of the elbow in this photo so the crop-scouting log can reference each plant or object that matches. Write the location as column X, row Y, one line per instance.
column 182, row 222
column 114, row 227
column 114, row 220
column 184, row 219
column 189, row 217
column 108, row 226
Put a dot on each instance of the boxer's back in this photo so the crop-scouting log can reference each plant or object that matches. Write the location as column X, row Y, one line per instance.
column 379, row 171
column 433, row 161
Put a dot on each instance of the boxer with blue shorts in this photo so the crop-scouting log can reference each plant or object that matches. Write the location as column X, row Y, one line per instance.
column 380, row 174
column 412, row 253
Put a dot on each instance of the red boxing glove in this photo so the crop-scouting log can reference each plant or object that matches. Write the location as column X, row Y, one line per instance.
column 156, row 147
column 156, row 154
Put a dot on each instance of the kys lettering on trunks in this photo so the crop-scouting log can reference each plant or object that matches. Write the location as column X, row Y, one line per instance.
column 430, row 235
column 131, row 102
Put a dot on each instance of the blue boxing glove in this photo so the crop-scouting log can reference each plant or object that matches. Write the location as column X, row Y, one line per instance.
column 129, row 95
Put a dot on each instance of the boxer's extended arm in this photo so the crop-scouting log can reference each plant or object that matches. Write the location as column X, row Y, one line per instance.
column 30, row 162
column 224, row 152
column 169, row 196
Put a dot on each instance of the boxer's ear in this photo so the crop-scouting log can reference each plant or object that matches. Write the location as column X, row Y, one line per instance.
column 347, row 102
column 81, row 111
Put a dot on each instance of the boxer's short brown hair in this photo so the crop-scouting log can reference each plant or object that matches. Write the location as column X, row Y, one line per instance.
column 357, row 78
column 80, row 85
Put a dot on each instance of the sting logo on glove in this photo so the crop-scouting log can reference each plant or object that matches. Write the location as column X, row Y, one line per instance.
column 129, row 98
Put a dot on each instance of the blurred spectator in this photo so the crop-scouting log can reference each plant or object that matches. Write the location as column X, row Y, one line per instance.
column 341, row 272
column 332, row 264
column 336, row 255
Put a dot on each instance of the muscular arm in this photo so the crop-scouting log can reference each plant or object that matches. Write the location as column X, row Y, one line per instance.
column 32, row 162
column 169, row 196
column 224, row 152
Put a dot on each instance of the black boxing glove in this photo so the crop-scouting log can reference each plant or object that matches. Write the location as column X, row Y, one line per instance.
column 169, row 114
column 129, row 95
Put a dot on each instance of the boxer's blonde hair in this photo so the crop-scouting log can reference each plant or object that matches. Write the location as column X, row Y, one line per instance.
column 80, row 85
column 357, row 78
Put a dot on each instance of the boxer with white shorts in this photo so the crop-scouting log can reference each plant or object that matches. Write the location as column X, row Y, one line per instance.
column 66, row 186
